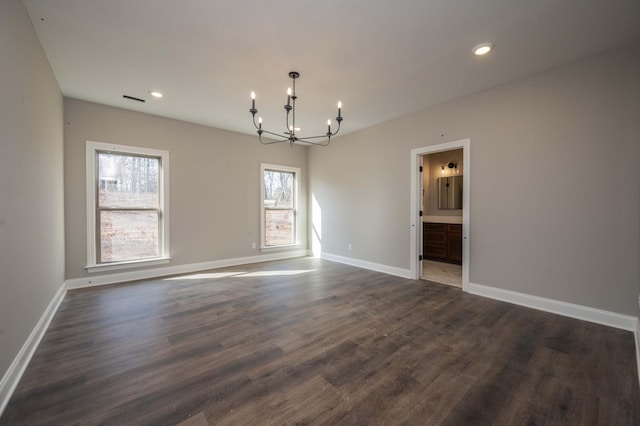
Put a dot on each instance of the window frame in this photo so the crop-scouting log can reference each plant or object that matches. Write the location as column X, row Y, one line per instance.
column 295, row 206
column 92, row 183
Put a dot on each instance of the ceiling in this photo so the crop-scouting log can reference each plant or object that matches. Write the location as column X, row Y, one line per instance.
column 382, row 59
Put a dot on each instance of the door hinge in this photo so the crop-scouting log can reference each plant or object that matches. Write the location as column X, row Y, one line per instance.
column 420, row 169
column 420, row 213
column 420, row 257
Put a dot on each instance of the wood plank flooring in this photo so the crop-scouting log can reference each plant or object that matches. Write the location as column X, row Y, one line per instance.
column 307, row 341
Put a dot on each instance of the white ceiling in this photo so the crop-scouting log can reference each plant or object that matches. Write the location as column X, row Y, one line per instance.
column 383, row 59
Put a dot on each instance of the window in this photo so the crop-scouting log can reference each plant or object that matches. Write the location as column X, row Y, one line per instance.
column 279, row 205
column 127, row 215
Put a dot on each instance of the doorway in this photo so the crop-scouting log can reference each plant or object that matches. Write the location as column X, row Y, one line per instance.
column 435, row 268
column 441, row 206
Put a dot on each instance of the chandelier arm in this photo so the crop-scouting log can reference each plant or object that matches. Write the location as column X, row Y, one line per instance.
column 323, row 143
column 287, row 120
column 254, row 122
column 338, row 129
column 272, row 141
column 274, row 134
column 307, row 138
column 313, row 137
column 328, row 135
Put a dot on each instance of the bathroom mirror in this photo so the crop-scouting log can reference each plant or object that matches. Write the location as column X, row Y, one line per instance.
column 450, row 193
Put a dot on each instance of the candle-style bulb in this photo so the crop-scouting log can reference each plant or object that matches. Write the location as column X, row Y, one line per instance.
column 260, row 122
column 253, row 95
column 339, row 108
column 328, row 122
column 253, row 100
column 289, row 91
column 328, row 126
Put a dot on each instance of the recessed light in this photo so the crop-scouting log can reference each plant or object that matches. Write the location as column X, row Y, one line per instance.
column 156, row 94
column 482, row 49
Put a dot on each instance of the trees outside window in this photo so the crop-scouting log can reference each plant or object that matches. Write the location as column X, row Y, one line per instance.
column 279, row 205
column 127, row 205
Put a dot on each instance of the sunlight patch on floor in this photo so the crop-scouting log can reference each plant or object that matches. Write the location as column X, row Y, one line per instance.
column 204, row 276
column 275, row 273
column 215, row 275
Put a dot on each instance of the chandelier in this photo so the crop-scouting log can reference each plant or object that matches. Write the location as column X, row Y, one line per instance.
column 290, row 134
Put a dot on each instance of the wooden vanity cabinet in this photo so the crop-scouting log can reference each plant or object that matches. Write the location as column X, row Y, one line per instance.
column 435, row 241
column 454, row 243
column 442, row 242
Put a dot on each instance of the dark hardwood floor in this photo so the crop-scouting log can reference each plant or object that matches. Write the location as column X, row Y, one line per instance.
column 306, row 341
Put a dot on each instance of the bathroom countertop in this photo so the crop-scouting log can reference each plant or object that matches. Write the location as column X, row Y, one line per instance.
column 442, row 219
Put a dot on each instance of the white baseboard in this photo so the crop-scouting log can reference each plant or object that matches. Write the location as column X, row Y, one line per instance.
column 20, row 362
column 598, row 316
column 391, row 270
column 119, row 277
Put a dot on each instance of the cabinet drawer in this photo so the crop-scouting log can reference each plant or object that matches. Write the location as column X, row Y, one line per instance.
column 435, row 252
column 436, row 238
column 437, row 227
column 454, row 229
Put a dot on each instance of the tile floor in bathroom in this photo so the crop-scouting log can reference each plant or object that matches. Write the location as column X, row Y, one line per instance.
column 440, row 272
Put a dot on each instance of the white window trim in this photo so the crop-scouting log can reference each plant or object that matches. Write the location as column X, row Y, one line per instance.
column 296, row 207
column 91, row 151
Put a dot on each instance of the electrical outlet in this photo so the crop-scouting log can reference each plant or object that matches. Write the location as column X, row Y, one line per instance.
column 350, row 247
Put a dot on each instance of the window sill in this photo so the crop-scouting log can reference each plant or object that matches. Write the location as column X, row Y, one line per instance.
column 127, row 265
column 282, row 247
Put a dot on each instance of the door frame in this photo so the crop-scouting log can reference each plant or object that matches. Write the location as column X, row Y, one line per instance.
column 416, row 193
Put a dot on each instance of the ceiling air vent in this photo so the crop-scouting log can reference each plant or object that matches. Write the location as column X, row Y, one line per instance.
column 133, row 98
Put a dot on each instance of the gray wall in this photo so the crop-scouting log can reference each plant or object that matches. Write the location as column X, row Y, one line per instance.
column 555, row 200
column 214, row 181
column 31, row 184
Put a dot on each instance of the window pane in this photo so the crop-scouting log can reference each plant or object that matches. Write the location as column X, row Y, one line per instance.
column 127, row 180
column 278, row 189
column 279, row 227
column 128, row 235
